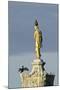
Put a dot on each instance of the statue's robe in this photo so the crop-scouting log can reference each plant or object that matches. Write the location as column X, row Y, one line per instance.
column 38, row 42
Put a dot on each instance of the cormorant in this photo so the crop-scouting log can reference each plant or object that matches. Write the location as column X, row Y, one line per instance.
column 23, row 69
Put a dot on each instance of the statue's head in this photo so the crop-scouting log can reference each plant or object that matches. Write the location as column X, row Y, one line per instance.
column 36, row 27
column 36, row 23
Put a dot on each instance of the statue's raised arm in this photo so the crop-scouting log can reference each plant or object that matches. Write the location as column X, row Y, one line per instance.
column 38, row 39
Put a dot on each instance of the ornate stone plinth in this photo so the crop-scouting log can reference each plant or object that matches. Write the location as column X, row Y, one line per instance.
column 36, row 77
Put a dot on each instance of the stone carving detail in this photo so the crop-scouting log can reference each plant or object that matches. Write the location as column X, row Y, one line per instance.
column 35, row 78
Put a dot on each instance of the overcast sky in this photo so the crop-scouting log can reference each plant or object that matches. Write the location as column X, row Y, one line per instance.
column 21, row 26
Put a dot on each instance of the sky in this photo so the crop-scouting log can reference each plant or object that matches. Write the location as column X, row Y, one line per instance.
column 21, row 18
column 21, row 26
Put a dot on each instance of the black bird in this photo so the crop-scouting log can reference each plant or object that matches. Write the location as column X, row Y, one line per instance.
column 22, row 69
column 43, row 63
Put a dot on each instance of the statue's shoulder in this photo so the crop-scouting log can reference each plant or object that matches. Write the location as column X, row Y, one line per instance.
column 40, row 32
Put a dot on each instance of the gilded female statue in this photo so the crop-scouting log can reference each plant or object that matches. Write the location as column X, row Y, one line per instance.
column 38, row 39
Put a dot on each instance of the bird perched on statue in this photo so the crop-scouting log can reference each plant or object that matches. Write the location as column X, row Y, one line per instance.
column 22, row 69
column 43, row 63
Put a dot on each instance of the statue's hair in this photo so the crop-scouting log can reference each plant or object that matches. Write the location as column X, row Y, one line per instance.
column 36, row 23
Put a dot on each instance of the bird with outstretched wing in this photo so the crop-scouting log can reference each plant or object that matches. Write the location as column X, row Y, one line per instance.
column 22, row 69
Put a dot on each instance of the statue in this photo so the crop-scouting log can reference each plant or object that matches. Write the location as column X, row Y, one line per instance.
column 38, row 39
column 38, row 75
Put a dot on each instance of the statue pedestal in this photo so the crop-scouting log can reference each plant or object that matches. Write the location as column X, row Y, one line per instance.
column 37, row 73
column 36, row 66
column 36, row 77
